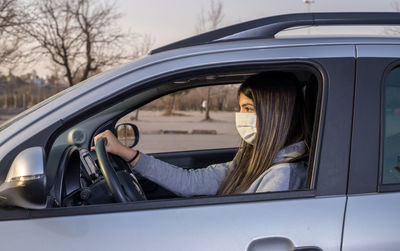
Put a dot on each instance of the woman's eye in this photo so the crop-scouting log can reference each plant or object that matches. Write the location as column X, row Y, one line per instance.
column 248, row 109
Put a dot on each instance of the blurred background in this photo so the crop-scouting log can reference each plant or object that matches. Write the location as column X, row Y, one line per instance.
column 47, row 46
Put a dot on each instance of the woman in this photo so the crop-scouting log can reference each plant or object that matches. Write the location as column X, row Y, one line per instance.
column 273, row 127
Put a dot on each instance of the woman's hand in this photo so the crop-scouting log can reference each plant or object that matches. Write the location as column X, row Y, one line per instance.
column 114, row 146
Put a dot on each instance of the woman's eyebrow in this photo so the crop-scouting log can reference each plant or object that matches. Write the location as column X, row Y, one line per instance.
column 247, row 104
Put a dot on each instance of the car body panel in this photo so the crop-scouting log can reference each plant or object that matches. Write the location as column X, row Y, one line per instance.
column 371, row 221
column 218, row 227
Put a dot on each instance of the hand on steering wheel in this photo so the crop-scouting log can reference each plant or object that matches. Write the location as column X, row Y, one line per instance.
column 114, row 146
column 123, row 186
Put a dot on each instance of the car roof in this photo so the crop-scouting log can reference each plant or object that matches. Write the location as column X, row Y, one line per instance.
column 282, row 42
column 268, row 27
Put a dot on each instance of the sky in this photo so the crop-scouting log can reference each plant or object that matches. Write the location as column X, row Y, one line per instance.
column 172, row 20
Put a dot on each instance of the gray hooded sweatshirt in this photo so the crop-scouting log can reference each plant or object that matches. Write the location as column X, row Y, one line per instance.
column 206, row 181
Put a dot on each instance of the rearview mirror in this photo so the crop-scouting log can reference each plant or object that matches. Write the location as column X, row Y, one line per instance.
column 25, row 184
column 127, row 134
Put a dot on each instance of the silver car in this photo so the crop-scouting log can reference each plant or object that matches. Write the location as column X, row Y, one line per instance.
column 56, row 194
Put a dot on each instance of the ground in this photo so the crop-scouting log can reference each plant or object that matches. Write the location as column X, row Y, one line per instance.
column 178, row 133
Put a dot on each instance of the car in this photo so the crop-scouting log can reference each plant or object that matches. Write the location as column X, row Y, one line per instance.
column 53, row 196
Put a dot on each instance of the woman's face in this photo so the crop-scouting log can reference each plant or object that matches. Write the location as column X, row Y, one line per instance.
column 246, row 104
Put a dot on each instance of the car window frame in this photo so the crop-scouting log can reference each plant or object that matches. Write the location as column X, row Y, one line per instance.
column 366, row 146
column 313, row 66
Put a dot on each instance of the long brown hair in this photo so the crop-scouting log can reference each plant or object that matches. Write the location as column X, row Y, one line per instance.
column 280, row 111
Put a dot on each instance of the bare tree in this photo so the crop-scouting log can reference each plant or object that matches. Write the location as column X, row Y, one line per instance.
column 170, row 106
column 82, row 37
column 212, row 19
column 208, row 22
column 10, row 39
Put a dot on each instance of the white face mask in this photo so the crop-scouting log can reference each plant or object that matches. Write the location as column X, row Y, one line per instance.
column 246, row 126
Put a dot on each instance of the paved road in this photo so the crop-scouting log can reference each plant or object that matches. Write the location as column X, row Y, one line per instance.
column 151, row 123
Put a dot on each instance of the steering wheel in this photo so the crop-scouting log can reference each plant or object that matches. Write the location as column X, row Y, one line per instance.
column 124, row 187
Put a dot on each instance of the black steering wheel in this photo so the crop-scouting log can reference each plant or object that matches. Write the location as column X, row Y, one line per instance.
column 124, row 186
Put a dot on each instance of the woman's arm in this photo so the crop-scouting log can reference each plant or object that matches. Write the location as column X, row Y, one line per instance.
column 183, row 182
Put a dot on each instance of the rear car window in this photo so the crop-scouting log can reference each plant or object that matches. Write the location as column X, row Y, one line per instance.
column 391, row 128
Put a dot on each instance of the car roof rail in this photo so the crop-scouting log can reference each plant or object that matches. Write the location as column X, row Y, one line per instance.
column 268, row 27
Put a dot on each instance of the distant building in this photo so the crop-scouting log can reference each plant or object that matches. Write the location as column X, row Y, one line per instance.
column 55, row 80
column 38, row 81
column 33, row 78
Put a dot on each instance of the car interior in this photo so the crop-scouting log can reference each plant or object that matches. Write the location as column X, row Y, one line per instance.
column 77, row 176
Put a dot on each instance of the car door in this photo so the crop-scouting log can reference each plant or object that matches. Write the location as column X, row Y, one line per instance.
column 269, row 221
column 373, row 205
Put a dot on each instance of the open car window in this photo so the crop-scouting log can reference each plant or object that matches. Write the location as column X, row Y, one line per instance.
column 193, row 119
column 188, row 122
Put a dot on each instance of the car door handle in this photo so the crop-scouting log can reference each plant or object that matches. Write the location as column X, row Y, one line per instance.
column 277, row 244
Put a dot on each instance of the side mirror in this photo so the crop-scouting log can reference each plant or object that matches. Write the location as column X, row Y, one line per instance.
column 25, row 184
column 127, row 134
